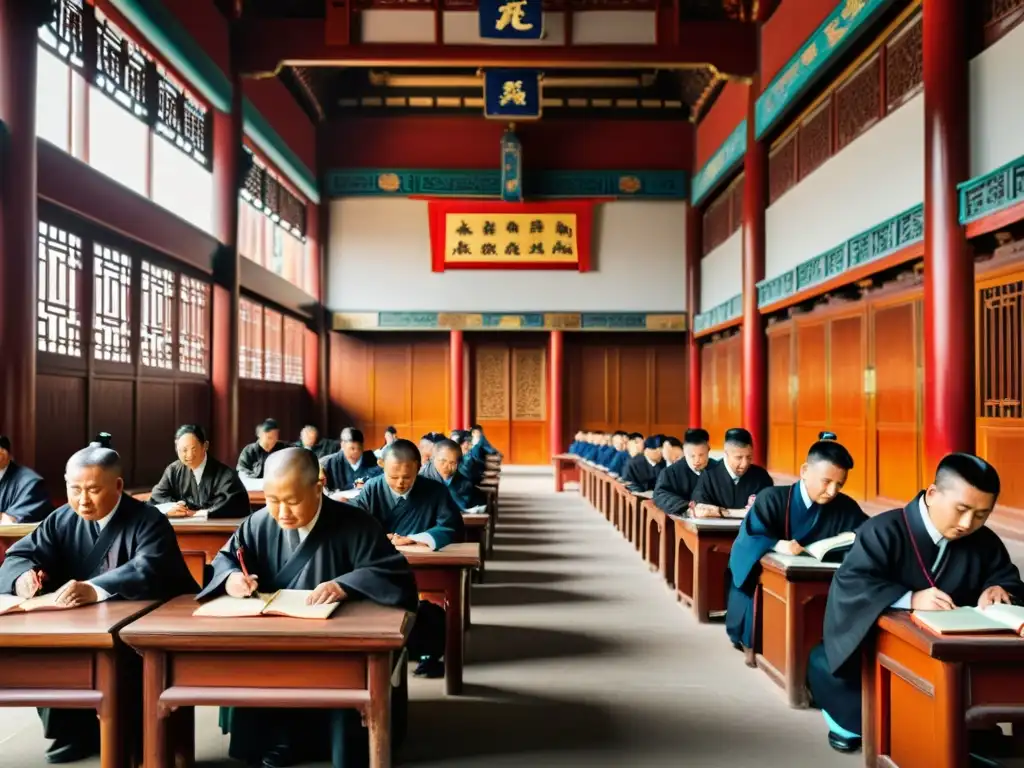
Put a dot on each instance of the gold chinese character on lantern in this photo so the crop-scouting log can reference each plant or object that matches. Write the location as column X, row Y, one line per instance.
column 512, row 93
column 513, row 13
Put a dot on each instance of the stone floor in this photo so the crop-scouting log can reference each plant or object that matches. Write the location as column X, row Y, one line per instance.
column 578, row 656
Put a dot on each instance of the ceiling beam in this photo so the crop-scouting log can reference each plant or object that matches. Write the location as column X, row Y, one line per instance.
column 267, row 44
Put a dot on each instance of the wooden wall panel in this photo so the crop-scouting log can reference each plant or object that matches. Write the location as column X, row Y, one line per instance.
column 288, row 404
column 378, row 380
column 781, row 407
column 154, row 430
column 721, row 375
column 708, row 404
column 733, row 413
column 633, row 382
column 60, row 400
column 113, row 411
column 847, row 409
column 812, row 382
column 192, row 404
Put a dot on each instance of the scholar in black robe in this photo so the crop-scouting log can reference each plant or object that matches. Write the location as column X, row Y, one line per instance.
column 879, row 570
column 780, row 513
column 253, row 457
column 135, row 557
column 675, row 486
column 640, row 475
column 220, row 492
column 427, row 513
column 717, row 487
column 344, row 545
column 341, row 476
column 23, row 495
column 463, row 492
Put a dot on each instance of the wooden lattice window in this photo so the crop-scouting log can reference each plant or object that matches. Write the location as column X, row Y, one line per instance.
column 122, row 68
column 273, row 344
column 59, row 326
column 193, row 325
column 782, row 172
column 112, row 288
column 294, row 351
column 266, row 192
column 250, row 339
column 1000, row 330
column 63, row 35
column 157, row 332
column 181, row 119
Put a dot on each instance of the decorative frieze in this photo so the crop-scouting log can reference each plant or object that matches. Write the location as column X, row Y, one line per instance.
column 992, row 192
column 723, row 313
column 524, row 321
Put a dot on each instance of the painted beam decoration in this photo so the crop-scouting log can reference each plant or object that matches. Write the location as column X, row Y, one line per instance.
column 511, row 19
column 725, row 312
column 512, row 94
column 721, row 164
column 839, row 30
column 511, row 168
column 509, row 321
column 468, row 234
column 984, row 195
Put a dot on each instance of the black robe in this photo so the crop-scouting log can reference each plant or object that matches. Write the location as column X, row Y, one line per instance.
column 136, row 557
column 428, row 508
column 340, row 475
column 675, row 486
column 882, row 567
column 463, row 492
column 322, row 448
column 779, row 514
column 23, row 495
column 220, row 493
column 716, row 486
column 253, row 457
column 640, row 474
column 346, row 546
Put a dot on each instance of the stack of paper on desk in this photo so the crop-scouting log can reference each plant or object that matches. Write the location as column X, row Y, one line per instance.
column 349, row 494
column 15, row 604
column 284, row 602
column 480, row 510
column 802, row 561
column 252, row 483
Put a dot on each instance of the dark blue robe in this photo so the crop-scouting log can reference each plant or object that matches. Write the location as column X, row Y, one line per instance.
column 778, row 514
column 23, row 495
column 428, row 508
column 473, row 464
column 340, row 475
column 618, row 463
column 574, row 447
column 463, row 492
column 640, row 475
column 605, row 455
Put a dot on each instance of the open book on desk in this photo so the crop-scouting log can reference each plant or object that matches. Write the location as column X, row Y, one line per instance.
column 252, row 483
column 801, row 561
column 643, row 494
column 15, row 604
column 351, row 493
column 733, row 523
column 832, row 549
column 480, row 510
column 963, row 621
column 200, row 514
column 284, row 602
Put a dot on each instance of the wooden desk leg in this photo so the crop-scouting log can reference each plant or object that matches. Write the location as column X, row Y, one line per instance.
column 466, row 602
column 453, row 641
column 111, row 748
column 874, row 696
column 701, row 558
column 378, row 714
column 666, row 557
column 154, row 728
column 796, row 659
column 951, row 728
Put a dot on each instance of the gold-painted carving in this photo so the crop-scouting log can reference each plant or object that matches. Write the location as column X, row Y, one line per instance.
column 528, row 384
column 389, row 182
column 492, row 395
column 354, row 321
column 665, row 322
column 629, row 184
column 563, row 322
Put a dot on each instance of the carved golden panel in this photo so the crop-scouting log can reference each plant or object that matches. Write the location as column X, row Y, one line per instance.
column 458, row 320
column 492, row 395
column 528, row 385
column 563, row 321
column 353, row 321
column 666, row 322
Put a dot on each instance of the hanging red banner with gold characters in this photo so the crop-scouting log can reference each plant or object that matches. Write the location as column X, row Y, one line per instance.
column 478, row 234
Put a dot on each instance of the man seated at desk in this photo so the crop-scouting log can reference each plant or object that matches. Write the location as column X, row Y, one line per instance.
column 444, row 468
column 309, row 438
column 674, row 489
column 351, row 466
column 302, row 540
column 671, row 450
column 933, row 555
column 473, row 463
column 415, row 511
column 390, row 435
column 23, row 497
column 254, row 455
column 728, row 488
column 576, row 444
column 641, row 472
column 426, row 445
column 479, row 438
column 617, row 465
column 785, row 519
column 102, row 544
column 197, row 482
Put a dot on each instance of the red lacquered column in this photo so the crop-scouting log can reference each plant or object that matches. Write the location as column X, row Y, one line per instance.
column 458, row 383
column 755, row 195
column 694, row 246
column 949, row 423
column 18, row 61
column 555, row 395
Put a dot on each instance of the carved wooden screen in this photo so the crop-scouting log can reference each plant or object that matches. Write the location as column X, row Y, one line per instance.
column 294, row 350
column 112, row 271
column 193, row 325
column 157, row 335
column 528, row 385
column 272, row 345
column 1000, row 320
column 250, row 339
column 492, row 385
column 59, row 327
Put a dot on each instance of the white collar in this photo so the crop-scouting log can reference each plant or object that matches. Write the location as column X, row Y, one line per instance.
column 102, row 522
column 358, row 464
column 729, row 470
column 198, row 471
column 304, row 530
column 933, row 532
column 804, row 495
column 397, row 496
column 652, row 463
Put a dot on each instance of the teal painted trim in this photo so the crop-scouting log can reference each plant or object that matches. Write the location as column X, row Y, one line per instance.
column 620, row 321
column 992, row 192
column 397, row 182
column 840, row 29
column 879, row 241
column 518, row 321
column 723, row 313
column 722, row 163
column 165, row 33
column 281, row 155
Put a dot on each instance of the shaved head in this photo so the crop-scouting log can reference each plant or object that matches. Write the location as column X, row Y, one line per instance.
column 301, row 461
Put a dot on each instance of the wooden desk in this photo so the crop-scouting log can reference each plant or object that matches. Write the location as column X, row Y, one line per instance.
column 634, row 517
column 655, row 546
column 446, row 571
column 917, row 683
column 70, row 660
column 257, row 499
column 788, row 622
column 701, row 559
column 565, row 470
column 343, row 662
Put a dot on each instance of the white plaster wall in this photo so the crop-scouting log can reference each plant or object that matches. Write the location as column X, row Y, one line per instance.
column 401, row 26
column 877, row 176
column 721, row 272
column 614, row 28
column 379, row 259
column 997, row 104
